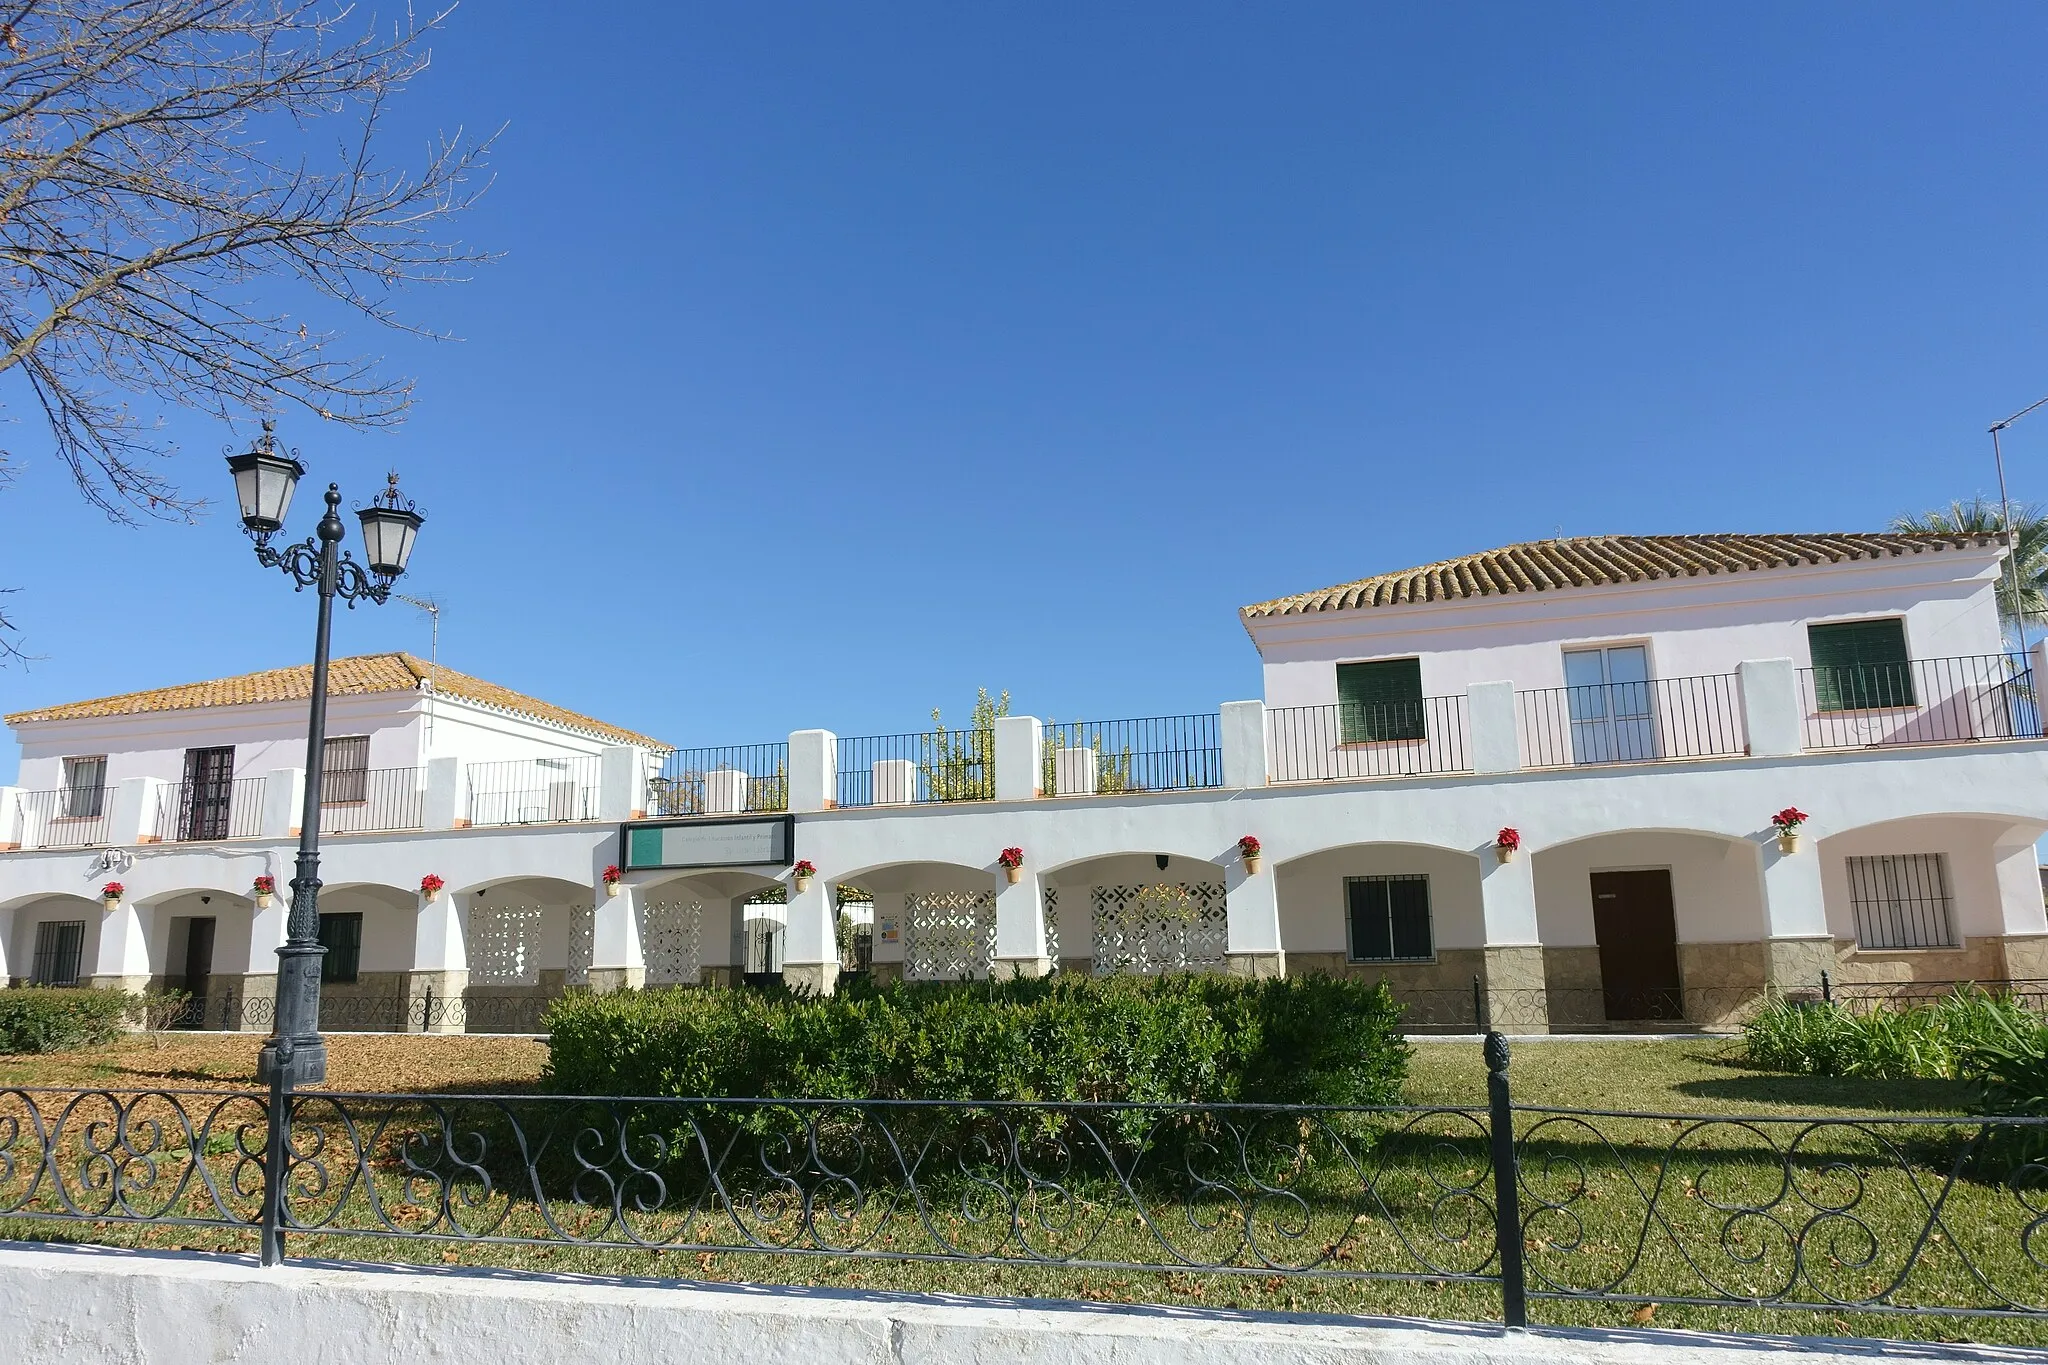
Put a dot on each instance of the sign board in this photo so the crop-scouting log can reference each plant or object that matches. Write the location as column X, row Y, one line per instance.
column 759, row 842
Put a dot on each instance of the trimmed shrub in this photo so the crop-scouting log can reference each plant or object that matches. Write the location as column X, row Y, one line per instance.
column 52, row 1019
column 1151, row 1040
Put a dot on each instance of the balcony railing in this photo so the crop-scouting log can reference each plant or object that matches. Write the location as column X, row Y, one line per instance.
column 199, row 812
column 533, row 791
column 70, row 817
column 1348, row 740
column 1643, row 722
column 899, row 770
column 362, row 800
column 734, row 779
column 1154, row 754
column 1924, row 701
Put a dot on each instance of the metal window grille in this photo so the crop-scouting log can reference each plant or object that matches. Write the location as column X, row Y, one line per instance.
column 85, row 787
column 1901, row 900
column 342, row 936
column 733, row 779
column 1150, row 754
column 948, row 935
column 1164, row 927
column 381, row 798
column 60, row 945
column 345, row 769
column 1388, row 918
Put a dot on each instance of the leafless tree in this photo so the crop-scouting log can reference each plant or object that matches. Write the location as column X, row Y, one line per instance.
column 166, row 198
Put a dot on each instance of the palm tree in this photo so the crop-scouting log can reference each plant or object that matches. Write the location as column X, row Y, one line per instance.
column 2023, row 586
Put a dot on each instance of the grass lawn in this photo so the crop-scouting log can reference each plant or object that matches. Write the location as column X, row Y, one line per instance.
column 1700, row 1076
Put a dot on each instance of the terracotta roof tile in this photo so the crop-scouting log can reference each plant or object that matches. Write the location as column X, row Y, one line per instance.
column 362, row 675
column 1580, row 561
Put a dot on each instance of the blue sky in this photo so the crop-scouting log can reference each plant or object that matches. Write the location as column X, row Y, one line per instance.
column 842, row 359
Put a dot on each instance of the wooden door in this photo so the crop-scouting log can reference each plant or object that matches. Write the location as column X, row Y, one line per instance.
column 198, row 969
column 1638, row 937
column 209, row 790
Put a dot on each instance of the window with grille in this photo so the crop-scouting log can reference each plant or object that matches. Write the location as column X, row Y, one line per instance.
column 345, row 770
column 1901, row 900
column 1379, row 701
column 1388, row 918
column 85, row 787
column 59, row 946
column 342, row 937
column 1860, row 665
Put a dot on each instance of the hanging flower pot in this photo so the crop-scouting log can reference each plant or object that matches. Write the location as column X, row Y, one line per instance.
column 110, row 896
column 611, row 879
column 264, row 889
column 1788, row 822
column 1507, row 844
column 804, row 871
column 430, row 887
column 1789, row 843
column 1248, row 849
column 1011, row 860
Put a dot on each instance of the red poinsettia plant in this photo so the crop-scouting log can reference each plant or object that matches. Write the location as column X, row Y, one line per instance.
column 431, row 883
column 612, row 874
column 1010, row 857
column 113, row 891
column 805, row 868
column 1249, row 845
column 265, row 886
column 1508, row 838
column 1789, row 820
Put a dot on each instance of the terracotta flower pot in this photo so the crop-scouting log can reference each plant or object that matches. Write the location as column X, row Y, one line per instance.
column 1507, row 854
column 1015, row 874
column 1251, row 864
column 1788, row 843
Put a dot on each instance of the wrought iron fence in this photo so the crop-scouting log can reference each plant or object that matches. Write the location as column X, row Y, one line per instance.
column 1888, row 1214
column 70, row 817
column 476, row 1010
column 735, row 779
column 1639, row 722
column 198, row 812
column 359, row 800
column 532, row 791
column 1153, row 754
column 1864, row 997
column 1922, row 701
column 1347, row 740
column 935, row 765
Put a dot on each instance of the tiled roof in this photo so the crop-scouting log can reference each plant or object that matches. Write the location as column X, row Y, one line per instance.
column 1581, row 561
column 359, row 676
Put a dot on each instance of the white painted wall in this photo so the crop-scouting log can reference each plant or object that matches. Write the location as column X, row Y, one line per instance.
column 1969, row 846
column 1691, row 626
column 1312, row 898
column 1716, row 893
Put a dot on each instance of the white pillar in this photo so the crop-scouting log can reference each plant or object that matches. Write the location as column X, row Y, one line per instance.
column 440, row 965
column 617, row 961
column 622, row 783
column 446, row 802
column 810, row 948
column 1772, row 717
column 1020, row 927
column 813, row 771
column 1076, row 772
column 11, row 822
column 893, row 782
column 7, row 970
column 136, row 804
column 1517, row 998
column 1798, row 946
column 1494, row 735
column 284, row 797
column 123, row 962
column 2023, row 920
column 1252, row 945
column 725, row 791
column 1020, row 749
column 1243, row 737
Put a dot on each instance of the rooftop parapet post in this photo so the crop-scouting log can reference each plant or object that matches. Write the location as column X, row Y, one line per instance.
column 1771, row 712
column 813, row 771
column 10, row 821
column 1020, row 747
column 284, row 792
column 135, row 811
column 446, row 803
column 1243, row 726
column 622, row 783
column 1496, row 735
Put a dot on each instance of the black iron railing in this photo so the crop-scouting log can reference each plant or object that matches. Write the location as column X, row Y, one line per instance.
column 1153, row 754
column 931, row 766
column 1923, row 701
column 1345, row 740
column 1535, row 1204
column 1641, row 722
column 70, row 817
column 475, row 1010
column 734, row 779
column 1864, row 997
column 531, row 791
column 362, row 800
column 198, row 812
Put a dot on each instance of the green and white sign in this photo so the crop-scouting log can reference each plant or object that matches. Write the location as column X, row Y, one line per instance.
column 710, row 843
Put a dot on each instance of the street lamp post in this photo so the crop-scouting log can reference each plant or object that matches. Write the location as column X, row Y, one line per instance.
column 265, row 476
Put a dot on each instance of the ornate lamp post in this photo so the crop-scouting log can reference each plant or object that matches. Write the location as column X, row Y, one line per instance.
column 265, row 477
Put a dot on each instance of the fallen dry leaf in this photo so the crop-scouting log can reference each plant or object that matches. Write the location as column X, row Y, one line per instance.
column 1644, row 1315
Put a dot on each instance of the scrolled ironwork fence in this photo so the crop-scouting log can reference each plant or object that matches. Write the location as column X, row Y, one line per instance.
column 1826, row 1213
column 1346, row 740
column 487, row 1010
column 1920, row 701
column 733, row 779
column 1632, row 722
column 1150, row 754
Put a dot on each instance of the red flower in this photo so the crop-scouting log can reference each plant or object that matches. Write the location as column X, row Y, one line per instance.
column 1249, row 845
column 266, row 886
column 1789, row 819
column 611, row 874
column 1509, row 837
column 1010, row 857
column 806, row 868
column 431, row 882
column 113, row 891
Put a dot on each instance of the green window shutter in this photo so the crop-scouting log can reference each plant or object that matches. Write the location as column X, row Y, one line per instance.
column 1860, row 665
column 342, row 937
column 1379, row 701
column 1389, row 918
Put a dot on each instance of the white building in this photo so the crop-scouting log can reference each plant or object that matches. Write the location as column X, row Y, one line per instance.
column 1635, row 708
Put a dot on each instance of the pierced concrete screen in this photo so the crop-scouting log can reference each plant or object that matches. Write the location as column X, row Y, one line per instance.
column 1165, row 927
column 948, row 935
column 675, row 930
column 507, row 945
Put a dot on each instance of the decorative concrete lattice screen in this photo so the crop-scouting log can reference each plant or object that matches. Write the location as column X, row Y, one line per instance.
column 1165, row 927
column 582, row 929
column 948, row 935
column 507, row 945
column 1052, row 926
column 675, row 931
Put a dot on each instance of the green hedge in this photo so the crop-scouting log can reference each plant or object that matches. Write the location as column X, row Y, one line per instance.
column 1299, row 1040
column 47, row 1019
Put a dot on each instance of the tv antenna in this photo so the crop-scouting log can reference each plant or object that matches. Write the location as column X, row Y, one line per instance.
column 433, row 610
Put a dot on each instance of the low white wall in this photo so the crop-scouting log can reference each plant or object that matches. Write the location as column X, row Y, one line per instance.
column 112, row 1307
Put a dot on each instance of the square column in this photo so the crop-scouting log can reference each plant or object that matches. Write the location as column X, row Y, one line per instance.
column 123, row 962
column 445, row 804
column 8, row 971
column 134, row 817
column 1798, row 946
column 1496, row 733
column 621, row 783
column 810, row 948
column 284, row 797
column 11, row 818
column 1251, row 910
column 1517, row 994
column 1243, row 739
column 617, row 959
column 1020, row 927
column 2023, row 920
column 1020, row 748
column 813, row 770
column 1772, row 716
column 440, row 965
column 887, row 963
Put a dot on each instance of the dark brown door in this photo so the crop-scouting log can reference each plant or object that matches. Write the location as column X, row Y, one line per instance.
column 1638, row 938
column 198, row 969
column 209, row 789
